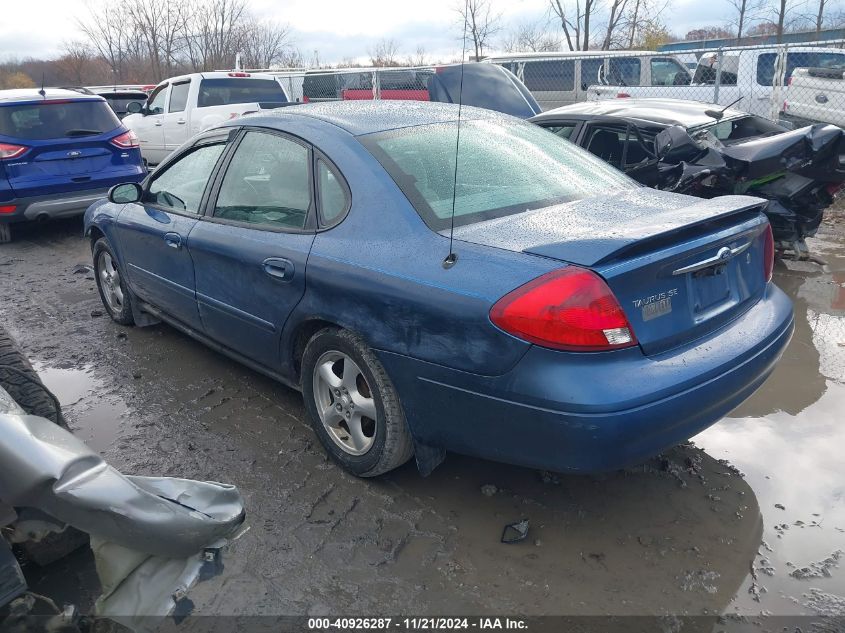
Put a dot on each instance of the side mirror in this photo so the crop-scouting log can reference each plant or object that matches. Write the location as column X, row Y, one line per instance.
column 134, row 107
column 125, row 193
column 674, row 145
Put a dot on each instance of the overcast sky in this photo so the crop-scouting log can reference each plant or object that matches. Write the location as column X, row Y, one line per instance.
column 335, row 28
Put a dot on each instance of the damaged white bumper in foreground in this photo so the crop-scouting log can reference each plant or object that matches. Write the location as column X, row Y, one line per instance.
column 151, row 536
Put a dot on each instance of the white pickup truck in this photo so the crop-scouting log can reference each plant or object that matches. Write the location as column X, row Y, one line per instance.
column 753, row 78
column 180, row 107
column 816, row 95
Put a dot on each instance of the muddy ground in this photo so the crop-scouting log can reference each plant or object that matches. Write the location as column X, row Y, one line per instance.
column 751, row 520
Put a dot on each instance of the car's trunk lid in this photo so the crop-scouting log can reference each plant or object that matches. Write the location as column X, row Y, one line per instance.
column 679, row 266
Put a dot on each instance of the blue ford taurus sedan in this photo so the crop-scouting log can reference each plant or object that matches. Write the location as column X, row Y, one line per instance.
column 578, row 322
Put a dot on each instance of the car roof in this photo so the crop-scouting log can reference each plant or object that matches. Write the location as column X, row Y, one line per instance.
column 22, row 95
column 662, row 111
column 367, row 117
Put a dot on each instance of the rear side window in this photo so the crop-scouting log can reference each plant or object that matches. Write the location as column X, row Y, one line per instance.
column 229, row 90
column 623, row 71
column 550, row 76
column 267, row 183
column 826, row 59
column 48, row 120
column 333, row 201
column 668, row 72
column 591, row 72
column 563, row 130
column 179, row 96
column 181, row 185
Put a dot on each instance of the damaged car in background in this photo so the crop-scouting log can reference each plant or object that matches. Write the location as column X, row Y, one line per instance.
column 151, row 537
column 708, row 150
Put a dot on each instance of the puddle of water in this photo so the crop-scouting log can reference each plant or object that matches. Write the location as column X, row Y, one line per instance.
column 789, row 440
column 94, row 416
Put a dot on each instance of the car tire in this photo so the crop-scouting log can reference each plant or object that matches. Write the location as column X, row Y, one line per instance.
column 5, row 233
column 21, row 382
column 114, row 293
column 338, row 404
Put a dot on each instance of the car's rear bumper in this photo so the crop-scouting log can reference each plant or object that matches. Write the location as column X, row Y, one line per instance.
column 593, row 412
column 56, row 205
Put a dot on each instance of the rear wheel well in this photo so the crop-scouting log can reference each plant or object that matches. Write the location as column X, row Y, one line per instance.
column 303, row 334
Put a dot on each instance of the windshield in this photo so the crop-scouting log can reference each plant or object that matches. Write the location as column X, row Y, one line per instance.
column 229, row 90
column 504, row 167
column 56, row 119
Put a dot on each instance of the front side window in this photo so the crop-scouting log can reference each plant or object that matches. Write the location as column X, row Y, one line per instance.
column 623, row 71
column 668, row 72
column 156, row 101
column 591, row 72
column 563, row 130
column 267, row 183
column 179, row 96
column 179, row 187
column 504, row 168
column 550, row 76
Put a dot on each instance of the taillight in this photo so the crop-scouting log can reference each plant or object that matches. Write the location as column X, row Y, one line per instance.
column 7, row 208
column 570, row 309
column 239, row 74
column 7, row 151
column 768, row 253
column 127, row 140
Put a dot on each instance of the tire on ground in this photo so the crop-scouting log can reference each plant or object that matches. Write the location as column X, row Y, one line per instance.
column 5, row 233
column 22, row 382
column 393, row 445
column 124, row 316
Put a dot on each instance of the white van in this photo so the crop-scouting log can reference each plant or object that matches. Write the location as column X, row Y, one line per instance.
column 752, row 77
column 560, row 78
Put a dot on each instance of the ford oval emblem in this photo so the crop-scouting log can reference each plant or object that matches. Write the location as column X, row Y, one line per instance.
column 74, row 154
column 724, row 253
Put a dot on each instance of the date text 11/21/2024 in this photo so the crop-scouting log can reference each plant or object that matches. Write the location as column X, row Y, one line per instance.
column 416, row 624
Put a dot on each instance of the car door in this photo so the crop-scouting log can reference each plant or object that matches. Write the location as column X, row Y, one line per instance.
column 149, row 128
column 251, row 247
column 175, row 122
column 153, row 233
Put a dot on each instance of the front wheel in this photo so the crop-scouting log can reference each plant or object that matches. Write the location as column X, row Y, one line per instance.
column 352, row 404
column 110, row 283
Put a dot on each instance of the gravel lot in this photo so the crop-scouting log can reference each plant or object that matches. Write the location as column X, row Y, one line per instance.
column 682, row 534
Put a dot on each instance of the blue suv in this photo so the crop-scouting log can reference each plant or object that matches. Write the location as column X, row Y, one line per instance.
column 59, row 152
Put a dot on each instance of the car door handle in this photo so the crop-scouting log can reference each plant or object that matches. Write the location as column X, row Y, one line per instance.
column 158, row 122
column 279, row 268
column 181, row 121
column 173, row 240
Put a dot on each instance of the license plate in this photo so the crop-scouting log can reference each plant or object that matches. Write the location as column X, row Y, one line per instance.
column 657, row 309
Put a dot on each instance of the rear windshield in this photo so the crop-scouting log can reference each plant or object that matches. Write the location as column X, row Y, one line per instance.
column 119, row 100
column 484, row 86
column 504, row 167
column 56, row 119
column 229, row 90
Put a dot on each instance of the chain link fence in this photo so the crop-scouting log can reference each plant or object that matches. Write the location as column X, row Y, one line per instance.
column 801, row 83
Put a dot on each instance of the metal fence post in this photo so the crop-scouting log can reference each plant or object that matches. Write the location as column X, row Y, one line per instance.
column 718, row 81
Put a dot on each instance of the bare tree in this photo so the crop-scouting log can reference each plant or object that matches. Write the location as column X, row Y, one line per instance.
column 161, row 27
column 530, row 37
column 265, row 44
column 215, row 33
column 109, row 34
column 747, row 11
column 418, row 58
column 575, row 24
column 384, row 53
column 75, row 63
column 615, row 16
column 479, row 23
